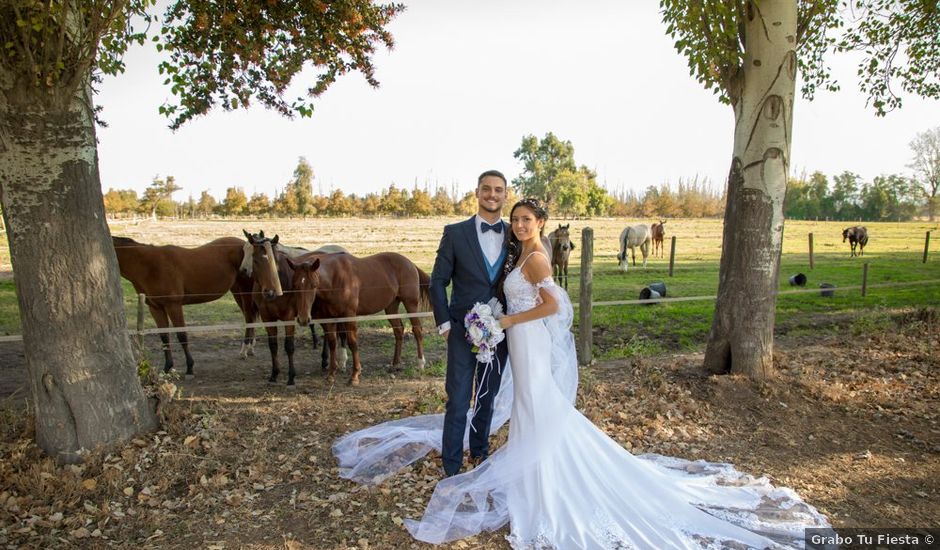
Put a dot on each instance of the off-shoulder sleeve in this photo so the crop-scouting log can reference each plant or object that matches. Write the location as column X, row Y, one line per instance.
column 546, row 282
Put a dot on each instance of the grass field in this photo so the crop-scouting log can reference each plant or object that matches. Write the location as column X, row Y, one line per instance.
column 894, row 253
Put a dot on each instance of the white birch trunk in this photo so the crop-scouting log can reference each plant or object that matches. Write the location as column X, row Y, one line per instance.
column 81, row 371
column 741, row 337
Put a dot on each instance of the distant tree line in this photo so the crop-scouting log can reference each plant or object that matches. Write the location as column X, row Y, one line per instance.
column 551, row 174
column 664, row 201
column 885, row 198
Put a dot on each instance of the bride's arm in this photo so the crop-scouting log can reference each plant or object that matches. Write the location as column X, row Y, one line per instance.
column 536, row 269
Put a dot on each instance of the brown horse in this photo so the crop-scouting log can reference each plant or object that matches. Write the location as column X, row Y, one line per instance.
column 351, row 286
column 171, row 277
column 292, row 252
column 286, row 295
column 561, row 247
column 658, row 232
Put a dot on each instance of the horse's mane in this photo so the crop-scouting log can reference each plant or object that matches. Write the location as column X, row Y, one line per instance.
column 124, row 241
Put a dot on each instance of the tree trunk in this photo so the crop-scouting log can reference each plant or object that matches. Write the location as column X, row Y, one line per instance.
column 82, row 373
column 741, row 337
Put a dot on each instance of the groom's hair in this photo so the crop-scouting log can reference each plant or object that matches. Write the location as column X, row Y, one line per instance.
column 494, row 173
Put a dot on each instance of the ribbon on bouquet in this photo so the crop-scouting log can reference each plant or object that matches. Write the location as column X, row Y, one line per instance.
column 483, row 386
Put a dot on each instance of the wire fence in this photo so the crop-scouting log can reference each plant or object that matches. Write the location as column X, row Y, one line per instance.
column 428, row 314
column 575, row 274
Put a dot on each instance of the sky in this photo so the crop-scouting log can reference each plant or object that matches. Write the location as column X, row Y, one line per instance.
column 463, row 85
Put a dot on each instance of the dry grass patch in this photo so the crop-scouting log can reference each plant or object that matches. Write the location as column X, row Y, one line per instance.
column 852, row 425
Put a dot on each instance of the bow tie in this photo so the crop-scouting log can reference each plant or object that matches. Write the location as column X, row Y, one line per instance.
column 497, row 227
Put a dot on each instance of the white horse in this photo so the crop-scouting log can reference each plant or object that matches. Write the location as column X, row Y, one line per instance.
column 632, row 237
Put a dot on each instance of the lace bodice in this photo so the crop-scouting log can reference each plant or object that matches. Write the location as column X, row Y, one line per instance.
column 521, row 295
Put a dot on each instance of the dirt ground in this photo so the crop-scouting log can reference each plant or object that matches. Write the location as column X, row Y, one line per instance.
column 850, row 423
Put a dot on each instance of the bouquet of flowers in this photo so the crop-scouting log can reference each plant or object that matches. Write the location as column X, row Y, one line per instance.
column 483, row 330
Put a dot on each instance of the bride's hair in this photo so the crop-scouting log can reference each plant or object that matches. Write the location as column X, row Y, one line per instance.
column 515, row 247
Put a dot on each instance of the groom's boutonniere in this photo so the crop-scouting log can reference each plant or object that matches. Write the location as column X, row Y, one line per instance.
column 483, row 330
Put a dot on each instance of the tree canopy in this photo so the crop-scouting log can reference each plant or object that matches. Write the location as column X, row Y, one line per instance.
column 898, row 40
column 926, row 165
column 551, row 174
column 228, row 54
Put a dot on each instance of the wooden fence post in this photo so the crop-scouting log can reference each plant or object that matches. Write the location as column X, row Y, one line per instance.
column 672, row 255
column 811, row 250
column 141, row 303
column 864, row 279
column 926, row 245
column 585, row 352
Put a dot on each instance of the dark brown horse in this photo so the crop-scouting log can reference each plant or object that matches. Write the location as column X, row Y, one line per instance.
column 857, row 235
column 287, row 295
column 561, row 247
column 171, row 277
column 351, row 286
column 658, row 232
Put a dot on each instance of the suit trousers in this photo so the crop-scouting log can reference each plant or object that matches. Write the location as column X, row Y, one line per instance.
column 462, row 369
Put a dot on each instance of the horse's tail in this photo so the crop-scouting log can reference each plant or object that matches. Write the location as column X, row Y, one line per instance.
column 424, row 283
column 623, row 244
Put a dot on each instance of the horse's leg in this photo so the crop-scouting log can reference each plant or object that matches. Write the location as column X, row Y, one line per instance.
column 633, row 255
column 272, row 347
column 163, row 322
column 325, row 353
column 352, row 338
column 342, row 351
column 176, row 317
column 289, row 349
column 248, row 342
column 399, row 329
column 250, row 314
column 564, row 266
column 329, row 334
column 411, row 306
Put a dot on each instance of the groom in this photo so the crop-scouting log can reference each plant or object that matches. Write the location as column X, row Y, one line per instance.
column 471, row 255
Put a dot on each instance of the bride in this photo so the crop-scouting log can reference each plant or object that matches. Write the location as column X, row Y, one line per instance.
column 560, row 482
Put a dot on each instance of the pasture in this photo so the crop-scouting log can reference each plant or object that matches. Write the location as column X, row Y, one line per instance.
column 894, row 255
column 851, row 423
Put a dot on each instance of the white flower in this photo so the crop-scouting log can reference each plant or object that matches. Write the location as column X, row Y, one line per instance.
column 476, row 333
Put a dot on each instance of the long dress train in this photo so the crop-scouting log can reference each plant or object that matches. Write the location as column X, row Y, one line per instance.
column 562, row 483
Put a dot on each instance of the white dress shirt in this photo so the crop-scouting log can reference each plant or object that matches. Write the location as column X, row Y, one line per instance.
column 491, row 243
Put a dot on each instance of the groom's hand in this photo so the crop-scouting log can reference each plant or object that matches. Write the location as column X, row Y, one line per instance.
column 446, row 334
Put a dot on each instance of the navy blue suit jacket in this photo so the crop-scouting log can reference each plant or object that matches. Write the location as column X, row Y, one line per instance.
column 460, row 261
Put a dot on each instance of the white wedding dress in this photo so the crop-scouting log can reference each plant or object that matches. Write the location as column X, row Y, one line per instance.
column 561, row 482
